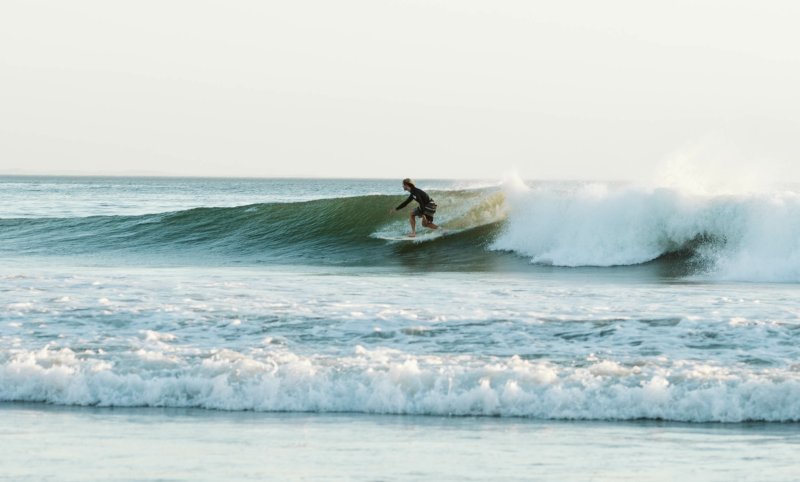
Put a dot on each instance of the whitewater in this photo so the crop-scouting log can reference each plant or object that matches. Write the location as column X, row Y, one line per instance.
column 157, row 309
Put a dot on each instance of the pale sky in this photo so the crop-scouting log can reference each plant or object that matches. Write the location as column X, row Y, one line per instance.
column 374, row 88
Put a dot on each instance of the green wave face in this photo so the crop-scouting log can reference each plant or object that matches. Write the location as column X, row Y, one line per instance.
column 342, row 231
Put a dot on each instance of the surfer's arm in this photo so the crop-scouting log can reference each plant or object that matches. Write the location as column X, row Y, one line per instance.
column 405, row 203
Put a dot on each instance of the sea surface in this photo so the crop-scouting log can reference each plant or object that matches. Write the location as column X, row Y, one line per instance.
column 553, row 331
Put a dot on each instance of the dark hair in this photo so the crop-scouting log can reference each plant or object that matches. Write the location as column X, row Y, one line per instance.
column 408, row 182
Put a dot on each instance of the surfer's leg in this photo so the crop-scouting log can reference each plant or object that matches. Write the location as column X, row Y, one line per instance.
column 428, row 223
column 413, row 221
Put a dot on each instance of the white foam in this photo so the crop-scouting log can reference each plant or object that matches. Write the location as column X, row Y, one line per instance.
column 156, row 337
column 389, row 381
column 755, row 236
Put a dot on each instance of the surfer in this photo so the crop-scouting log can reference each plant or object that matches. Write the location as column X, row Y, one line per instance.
column 426, row 209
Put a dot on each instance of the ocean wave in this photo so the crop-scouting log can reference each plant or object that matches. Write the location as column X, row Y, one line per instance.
column 752, row 237
column 385, row 381
column 747, row 237
column 336, row 231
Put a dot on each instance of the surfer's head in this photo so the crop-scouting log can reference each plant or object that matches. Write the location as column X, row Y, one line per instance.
column 407, row 184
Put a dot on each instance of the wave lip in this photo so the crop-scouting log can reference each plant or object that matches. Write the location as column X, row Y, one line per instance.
column 388, row 382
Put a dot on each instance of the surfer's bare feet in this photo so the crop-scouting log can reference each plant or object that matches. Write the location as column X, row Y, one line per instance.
column 412, row 234
column 429, row 224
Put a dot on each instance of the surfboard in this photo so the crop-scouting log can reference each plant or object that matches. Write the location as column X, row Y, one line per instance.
column 420, row 237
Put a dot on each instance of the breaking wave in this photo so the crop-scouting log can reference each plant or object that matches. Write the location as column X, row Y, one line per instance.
column 753, row 237
column 750, row 237
column 384, row 381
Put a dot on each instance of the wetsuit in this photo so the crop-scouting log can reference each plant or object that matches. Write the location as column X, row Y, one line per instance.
column 426, row 207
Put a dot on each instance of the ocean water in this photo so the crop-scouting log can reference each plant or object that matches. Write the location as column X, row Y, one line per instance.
column 572, row 311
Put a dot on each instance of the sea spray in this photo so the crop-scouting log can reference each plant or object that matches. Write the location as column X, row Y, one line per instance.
column 749, row 236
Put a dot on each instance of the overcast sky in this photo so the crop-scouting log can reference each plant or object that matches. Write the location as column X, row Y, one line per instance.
column 375, row 88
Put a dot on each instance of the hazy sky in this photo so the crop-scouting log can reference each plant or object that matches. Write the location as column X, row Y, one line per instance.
column 374, row 88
